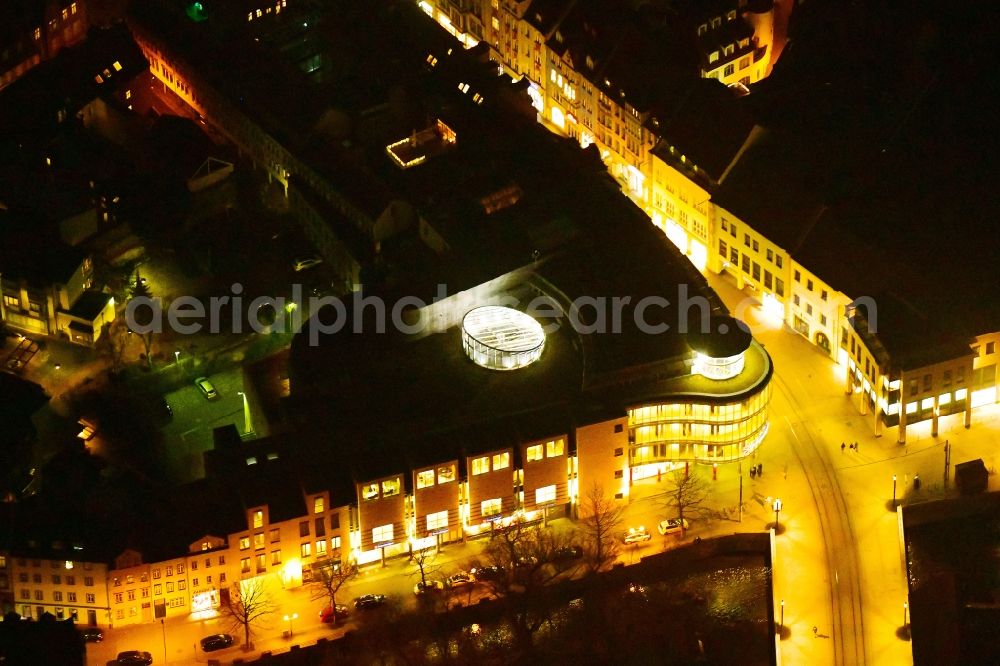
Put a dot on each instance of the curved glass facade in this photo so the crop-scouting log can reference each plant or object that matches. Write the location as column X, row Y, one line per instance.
column 698, row 432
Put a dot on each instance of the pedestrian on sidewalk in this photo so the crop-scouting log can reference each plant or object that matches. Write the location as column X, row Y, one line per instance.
column 753, row 471
column 842, row 447
column 760, row 469
column 856, row 447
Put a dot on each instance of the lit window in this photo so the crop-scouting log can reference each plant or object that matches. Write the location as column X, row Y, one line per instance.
column 425, row 478
column 244, row 565
column 911, row 407
column 501, row 460
column 318, row 504
column 480, row 465
column 38, row 33
column 390, row 487
column 382, row 534
column 335, row 543
column 306, row 549
column 244, row 543
column 491, row 507
column 65, row 14
column 534, row 452
column 117, row 65
column 321, row 548
column 275, row 557
column 554, row 449
column 72, row 8
column 446, row 474
column 370, row 491
column 258, row 519
column 437, row 521
column 258, row 542
column 558, row 119
column 546, row 494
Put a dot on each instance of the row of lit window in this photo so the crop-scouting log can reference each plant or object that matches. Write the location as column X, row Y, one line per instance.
column 445, row 474
column 389, row 488
column 56, row 596
column 56, row 579
column 55, row 564
column 278, row 6
column 553, row 449
column 481, row 465
column 696, row 412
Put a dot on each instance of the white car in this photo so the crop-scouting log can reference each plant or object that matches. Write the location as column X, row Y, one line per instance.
column 303, row 264
column 637, row 535
column 672, row 526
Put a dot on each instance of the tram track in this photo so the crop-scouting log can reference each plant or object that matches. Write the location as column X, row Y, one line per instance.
column 839, row 545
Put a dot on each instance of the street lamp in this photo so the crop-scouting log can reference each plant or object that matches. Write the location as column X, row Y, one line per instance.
column 777, row 512
column 906, row 608
column 177, row 357
column 893, row 491
column 288, row 619
column 247, row 424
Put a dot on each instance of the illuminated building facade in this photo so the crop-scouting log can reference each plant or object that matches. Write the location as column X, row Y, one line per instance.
column 65, row 588
column 37, row 30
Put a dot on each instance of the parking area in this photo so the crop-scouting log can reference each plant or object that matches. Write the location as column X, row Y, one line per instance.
column 189, row 432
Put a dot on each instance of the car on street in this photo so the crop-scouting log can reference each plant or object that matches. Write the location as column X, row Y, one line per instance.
column 334, row 614
column 637, row 535
column 567, row 553
column 303, row 264
column 492, row 573
column 134, row 658
column 672, row 526
column 460, row 579
column 207, row 388
column 92, row 635
column 216, row 642
column 369, row 601
column 427, row 587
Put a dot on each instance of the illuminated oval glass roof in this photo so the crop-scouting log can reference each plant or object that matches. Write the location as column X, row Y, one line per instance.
column 503, row 329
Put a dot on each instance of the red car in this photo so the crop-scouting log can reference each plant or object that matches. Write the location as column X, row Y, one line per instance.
column 334, row 615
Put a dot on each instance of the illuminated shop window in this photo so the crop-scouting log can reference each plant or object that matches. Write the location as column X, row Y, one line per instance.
column 437, row 521
column 546, row 494
column 382, row 534
column 491, row 507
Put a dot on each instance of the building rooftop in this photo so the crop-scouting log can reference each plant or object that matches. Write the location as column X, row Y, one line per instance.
column 874, row 179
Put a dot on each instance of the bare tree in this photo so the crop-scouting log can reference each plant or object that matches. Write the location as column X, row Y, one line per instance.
column 140, row 290
column 600, row 519
column 247, row 603
column 686, row 495
column 112, row 344
column 328, row 578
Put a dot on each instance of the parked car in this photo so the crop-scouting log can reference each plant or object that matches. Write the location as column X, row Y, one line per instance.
column 427, row 587
column 216, row 642
column 491, row 573
column 303, row 264
column 460, row 579
column 92, row 635
column 637, row 535
column 672, row 526
column 567, row 553
column 334, row 614
column 134, row 658
column 207, row 388
column 369, row 601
